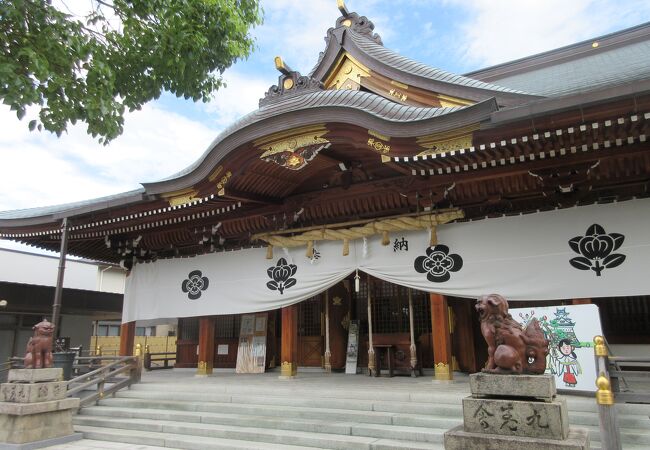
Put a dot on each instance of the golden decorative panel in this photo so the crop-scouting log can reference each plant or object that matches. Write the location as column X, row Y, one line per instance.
column 447, row 141
column 293, row 149
column 181, row 197
column 447, row 101
column 376, row 143
column 378, row 146
column 222, row 183
column 347, row 74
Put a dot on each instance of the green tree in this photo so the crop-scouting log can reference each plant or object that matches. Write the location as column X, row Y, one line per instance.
column 118, row 56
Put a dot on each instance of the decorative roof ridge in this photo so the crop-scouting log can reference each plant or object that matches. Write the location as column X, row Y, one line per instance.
column 442, row 75
column 353, row 21
column 347, row 21
column 290, row 84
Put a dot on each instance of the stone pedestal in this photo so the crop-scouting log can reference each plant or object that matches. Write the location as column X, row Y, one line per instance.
column 514, row 412
column 34, row 411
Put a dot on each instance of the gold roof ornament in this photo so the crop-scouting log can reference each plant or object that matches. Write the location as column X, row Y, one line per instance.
column 340, row 4
column 281, row 66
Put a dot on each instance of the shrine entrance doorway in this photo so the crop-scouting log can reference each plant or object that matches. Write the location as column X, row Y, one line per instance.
column 310, row 332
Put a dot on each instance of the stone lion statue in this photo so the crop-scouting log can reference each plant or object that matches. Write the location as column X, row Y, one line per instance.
column 39, row 348
column 511, row 349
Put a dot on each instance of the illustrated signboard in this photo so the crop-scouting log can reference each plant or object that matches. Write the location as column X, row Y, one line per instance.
column 251, row 354
column 352, row 354
column 570, row 331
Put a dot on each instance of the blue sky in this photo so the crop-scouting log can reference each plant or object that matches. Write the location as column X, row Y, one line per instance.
column 39, row 169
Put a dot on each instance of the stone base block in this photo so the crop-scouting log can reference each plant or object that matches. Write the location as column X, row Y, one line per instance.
column 34, row 375
column 528, row 386
column 35, row 427
column 458, row 439
column 547, row 420
column 44, row 443
column 33, row 392
column 26, row 409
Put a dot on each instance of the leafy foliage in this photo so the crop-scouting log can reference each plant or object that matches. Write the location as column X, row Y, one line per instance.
column 119, row 56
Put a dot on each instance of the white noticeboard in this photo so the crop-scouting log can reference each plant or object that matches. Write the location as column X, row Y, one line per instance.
column 222, row 349
column 570, row 331
column 352, row 354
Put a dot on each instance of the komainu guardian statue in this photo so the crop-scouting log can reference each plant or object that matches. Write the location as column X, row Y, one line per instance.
column 39, row 347
column 511, row 349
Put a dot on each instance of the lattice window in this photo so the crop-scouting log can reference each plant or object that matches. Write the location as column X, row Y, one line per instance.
column 625, row 316
column 390, row 308
column 227, row 326
column 309, row 317
column 189, row 328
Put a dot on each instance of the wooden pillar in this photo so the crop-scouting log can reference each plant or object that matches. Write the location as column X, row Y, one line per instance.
column 206, row 346
column 289, row 351
column 328, row 353
column 441, row 338
column 127, row 338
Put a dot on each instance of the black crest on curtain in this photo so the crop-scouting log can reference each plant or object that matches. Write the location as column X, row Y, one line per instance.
column 195, row 284
column 281, row 275
column 438, row 263
column 595, row 249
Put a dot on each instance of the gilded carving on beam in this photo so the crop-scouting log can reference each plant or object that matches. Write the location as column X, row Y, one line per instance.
column 294, row 149
column 447, row 101
column 347, row 74
column 398, row 94
column 222, row 183
column 181, row 197
column 379, row 142
column 399, row 85
column 215, row 173
column 436, row 143
column 378, row 146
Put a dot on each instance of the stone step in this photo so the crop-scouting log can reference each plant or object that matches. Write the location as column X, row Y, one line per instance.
column 325, row 414
column 293, row 400
column 252, row 433
column 173, row 441
column 355, row 392
column 339, row 423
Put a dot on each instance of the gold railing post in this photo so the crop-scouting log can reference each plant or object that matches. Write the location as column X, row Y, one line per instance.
column 609, row 432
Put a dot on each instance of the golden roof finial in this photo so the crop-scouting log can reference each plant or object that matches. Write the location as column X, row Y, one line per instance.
column 341, row 6
column 281, row 66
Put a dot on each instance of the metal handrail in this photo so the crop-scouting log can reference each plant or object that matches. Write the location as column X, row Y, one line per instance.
column 100, row 376
column 610, row 435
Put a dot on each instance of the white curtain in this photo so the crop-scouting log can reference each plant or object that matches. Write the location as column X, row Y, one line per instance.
column 583, row 252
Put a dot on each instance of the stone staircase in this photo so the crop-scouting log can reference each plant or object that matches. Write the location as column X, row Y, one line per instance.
column 178, row 410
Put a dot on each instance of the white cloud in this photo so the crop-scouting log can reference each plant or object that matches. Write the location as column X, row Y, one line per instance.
column 240, row 97
column 295, row 29
column 39, row 169
column 500, row 31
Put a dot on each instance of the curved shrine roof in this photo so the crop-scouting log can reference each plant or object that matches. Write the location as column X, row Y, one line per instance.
column 624, row 62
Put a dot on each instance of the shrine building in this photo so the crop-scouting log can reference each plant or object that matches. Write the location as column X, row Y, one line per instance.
column 376, row 197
